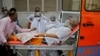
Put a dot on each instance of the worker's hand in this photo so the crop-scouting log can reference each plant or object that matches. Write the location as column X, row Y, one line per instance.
column 6, row 43
column 33, row 29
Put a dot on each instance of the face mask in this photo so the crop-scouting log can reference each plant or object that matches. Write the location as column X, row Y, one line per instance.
column 37, row 14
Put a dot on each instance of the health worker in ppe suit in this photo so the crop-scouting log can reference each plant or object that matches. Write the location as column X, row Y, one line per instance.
column 40, row 25
column 54, row 21
column 33, row 16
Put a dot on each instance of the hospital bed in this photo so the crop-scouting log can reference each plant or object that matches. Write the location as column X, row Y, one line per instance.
column 16, row 45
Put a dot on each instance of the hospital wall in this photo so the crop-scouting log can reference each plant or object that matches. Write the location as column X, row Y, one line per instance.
column 23, row 15
column 7, row 3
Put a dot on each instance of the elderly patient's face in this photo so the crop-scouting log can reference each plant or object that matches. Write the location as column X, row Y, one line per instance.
column 71, row 21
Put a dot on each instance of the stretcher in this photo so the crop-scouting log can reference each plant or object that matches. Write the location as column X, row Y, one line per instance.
column 16, row 44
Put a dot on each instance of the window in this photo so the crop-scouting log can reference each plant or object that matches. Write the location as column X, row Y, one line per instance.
column 35, row 3
column 49, row 5
column 29, row 5
column 92, row 5
column 71, row 5
column 20, row 5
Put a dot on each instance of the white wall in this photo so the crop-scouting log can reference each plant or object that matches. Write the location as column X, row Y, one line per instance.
column 22, row 18
column 7, row 3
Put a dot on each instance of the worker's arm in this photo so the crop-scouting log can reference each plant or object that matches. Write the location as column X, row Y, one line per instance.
column 24, row 30
column 30, row 19
column 51, row 35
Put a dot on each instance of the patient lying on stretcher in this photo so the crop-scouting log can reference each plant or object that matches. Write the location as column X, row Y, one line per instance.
column 52, row 36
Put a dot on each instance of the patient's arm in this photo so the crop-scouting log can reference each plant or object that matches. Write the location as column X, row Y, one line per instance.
column 47, row 35
column 51, row 35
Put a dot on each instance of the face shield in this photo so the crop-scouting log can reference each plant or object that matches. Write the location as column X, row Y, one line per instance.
column 53, row 18
column 37, row 14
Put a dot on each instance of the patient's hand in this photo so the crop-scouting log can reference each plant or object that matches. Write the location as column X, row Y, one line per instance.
column 36, row 35
column 40, row 35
